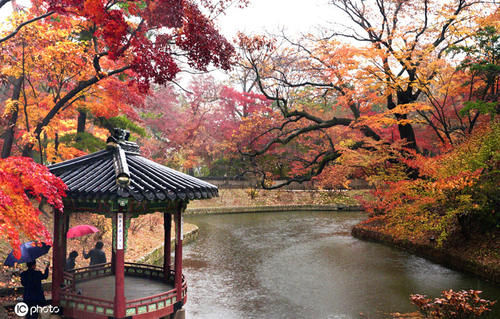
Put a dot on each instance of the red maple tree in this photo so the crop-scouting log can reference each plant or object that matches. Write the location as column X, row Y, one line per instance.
column 21, row 182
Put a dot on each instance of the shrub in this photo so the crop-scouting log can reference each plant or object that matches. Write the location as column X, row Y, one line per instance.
column 456, row 191
column 462, row 304
column 252, row 193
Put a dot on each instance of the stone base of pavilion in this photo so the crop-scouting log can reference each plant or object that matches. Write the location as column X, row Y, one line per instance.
column 150, row 293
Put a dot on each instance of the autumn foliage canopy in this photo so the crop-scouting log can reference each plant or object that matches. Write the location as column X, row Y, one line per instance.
column 403, row 97
column 64, row 61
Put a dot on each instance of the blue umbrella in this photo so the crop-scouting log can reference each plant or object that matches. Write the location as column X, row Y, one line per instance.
column 29, row 252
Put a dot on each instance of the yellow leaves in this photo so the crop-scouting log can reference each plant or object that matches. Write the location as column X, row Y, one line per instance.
column 491, row 20
column 28, row 138
column 101, row 133
column 63, row 152
column 346, row 143
column 67, row 124
column 42, row 51
column 409, row 108
column 46, row 130
column 391, row 117
column 382, row 120
column 11, row 70
column 11, row 106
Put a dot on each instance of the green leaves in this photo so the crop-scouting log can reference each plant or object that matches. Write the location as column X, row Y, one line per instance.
column 483, row 107
column 124, row 123
column 85, row 35
column 84, row 142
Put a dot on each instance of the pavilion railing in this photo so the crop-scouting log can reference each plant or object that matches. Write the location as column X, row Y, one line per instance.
column 155, row 302
column 145, row 270
column 72, row 298
column 79, row 302
column 91, row 272
column 85, row 273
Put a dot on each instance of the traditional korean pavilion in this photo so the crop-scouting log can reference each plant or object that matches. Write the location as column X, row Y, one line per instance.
column 121, row 184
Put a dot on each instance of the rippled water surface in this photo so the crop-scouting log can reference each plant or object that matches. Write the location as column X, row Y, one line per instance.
column 305, row 265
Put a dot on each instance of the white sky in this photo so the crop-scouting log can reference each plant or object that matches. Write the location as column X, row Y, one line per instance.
column 293, row 17
column 296, row 16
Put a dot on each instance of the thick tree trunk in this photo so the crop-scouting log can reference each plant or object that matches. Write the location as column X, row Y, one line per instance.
column 405, row 130
column 80, row 128
column 82, row 118
column 11, row 126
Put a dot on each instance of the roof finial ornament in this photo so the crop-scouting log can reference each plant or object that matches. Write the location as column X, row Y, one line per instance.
column 120, row 138
column 121, row 134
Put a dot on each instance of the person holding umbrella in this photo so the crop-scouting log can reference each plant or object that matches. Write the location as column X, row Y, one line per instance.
column 31, row 280
column 96, row 255
column 30, row 251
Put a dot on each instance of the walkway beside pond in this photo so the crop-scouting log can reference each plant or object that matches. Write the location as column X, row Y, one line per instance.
column 270, row 209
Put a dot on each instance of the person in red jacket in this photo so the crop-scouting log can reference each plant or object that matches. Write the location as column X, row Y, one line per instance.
column 31, row 280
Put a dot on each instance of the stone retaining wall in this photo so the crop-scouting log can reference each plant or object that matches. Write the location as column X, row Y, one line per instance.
column 430, row 252
column 269, row 209
column 155, row 256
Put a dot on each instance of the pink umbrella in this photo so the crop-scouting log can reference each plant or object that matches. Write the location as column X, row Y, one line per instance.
column 81, row 230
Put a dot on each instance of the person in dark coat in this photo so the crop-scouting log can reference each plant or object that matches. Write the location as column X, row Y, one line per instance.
column 31, row 280
column 96, row 255
column 70, row 262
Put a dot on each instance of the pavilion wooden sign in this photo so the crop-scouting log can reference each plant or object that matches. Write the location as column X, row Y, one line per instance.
column 119, row 231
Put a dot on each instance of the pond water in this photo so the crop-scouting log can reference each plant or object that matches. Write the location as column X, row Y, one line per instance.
column 305, row 265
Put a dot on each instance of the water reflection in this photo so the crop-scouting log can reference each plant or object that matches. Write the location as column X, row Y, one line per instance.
column 304, row 265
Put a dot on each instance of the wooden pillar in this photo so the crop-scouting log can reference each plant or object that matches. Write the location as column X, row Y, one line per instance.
column 57, row 262
column 167, row 227
column 119, row 267
column 113, row 248
column 64, row 247
column 178, row 252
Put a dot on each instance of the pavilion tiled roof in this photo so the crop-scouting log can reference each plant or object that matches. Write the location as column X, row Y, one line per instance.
column 98, row 176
